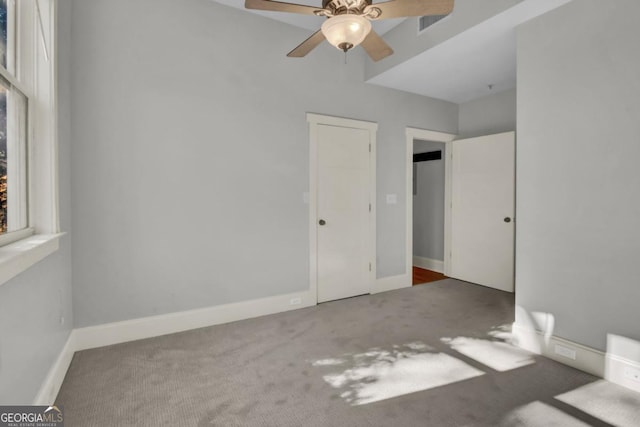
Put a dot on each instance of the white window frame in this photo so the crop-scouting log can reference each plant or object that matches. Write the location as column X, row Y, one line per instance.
column 35, row 77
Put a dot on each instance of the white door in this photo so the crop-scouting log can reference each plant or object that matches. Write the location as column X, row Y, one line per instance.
column 343, row 229
column 482, row 210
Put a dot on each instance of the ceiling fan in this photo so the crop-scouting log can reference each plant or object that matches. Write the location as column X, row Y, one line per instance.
column 347, row 23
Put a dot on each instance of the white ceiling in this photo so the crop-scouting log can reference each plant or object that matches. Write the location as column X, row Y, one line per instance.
column 474, row 63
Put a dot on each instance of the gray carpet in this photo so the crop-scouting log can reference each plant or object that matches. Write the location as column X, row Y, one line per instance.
column 431, row 355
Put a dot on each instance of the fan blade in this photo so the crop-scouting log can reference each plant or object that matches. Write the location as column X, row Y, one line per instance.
column 376, row 48
column 307, row 46
column 402, row 8
column 277, row 6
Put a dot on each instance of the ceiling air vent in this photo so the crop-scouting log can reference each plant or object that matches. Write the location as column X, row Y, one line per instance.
column 426, row 21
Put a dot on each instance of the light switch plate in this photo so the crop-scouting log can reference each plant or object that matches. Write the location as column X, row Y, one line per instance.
column 392, row 199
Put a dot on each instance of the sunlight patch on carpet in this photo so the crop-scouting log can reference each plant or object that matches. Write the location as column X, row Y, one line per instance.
column 502, row 333
column 380, row 374
column 497, row 352
column 609, row 402
column 539, row 414
column 497, row 355
column 329, row 362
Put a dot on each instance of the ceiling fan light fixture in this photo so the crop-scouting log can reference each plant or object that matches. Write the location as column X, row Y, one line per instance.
column 346, row 31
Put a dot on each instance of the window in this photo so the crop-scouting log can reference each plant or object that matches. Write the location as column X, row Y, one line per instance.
column 13, row 158
column 29, row 226
column 7, row 34
column 13, row 131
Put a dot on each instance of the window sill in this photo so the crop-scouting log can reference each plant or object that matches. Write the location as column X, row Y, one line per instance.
column 19, row 256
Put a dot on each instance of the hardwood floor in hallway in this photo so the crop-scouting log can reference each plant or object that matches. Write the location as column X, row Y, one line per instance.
column 421, row 276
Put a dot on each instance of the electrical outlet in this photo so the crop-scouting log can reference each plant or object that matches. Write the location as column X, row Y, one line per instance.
column 295, row 301
column 565, row 352
column 632, row 373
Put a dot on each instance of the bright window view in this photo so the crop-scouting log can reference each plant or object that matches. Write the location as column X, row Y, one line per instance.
column 3, row 120
column 3, row 33
column 13, row 119
column 3, row 160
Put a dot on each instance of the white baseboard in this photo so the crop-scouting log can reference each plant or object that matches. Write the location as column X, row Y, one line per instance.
column 153, row 326
column 587, row 359
column 429, row 264
column 615, row 371
column 392, row 283
column 149, row 327
column 53, row 381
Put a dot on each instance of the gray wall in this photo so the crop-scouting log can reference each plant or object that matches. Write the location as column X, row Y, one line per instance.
column 33, row 303
column 407, row 43
column 578, row 207
column 190, row 155
column 428, row 204
column 488, row 115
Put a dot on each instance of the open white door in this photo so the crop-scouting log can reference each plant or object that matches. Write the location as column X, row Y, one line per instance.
column 482, row 210
column 344, row 218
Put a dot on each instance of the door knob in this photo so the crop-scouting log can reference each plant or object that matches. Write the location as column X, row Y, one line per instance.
column 507, row 219
column 322, row 222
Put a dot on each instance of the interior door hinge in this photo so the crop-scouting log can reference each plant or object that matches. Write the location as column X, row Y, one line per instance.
column 369, row 266
column 369, row 147
column 369, row 207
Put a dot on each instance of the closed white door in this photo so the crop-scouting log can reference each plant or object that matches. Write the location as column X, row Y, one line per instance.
column 343, row 212
column 482, row 210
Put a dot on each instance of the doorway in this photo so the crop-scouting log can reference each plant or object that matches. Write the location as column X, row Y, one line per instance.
column 437, row 141
column 342, row 207
column 429, row 176
column 479, row 206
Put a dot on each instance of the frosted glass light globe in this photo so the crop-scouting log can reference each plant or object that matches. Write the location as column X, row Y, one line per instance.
column 346, row 31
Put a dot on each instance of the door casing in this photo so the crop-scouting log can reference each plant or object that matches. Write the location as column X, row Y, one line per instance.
column 446, row 138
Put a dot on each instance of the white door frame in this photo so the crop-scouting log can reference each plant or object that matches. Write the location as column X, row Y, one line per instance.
column 314, row 121
column 447, row 139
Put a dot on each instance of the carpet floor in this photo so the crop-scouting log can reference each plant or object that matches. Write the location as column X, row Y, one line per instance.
column 423, row 356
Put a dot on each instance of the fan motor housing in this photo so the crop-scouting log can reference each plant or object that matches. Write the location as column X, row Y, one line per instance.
column 339, row 7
